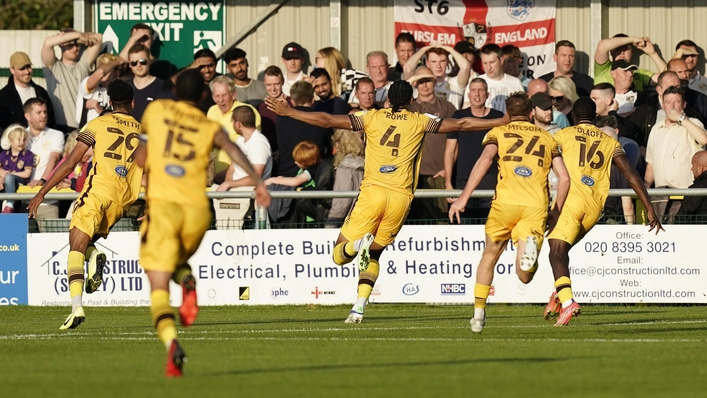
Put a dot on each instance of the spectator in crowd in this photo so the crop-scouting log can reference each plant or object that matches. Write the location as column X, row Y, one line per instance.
column 142, row 33
column 500, row 84
column 254, row 145
column 603, row 96
column 687, row 51
column 291, row 132
column 376, row 67
column 47, row 145
column 620, row 47
column 247, row 89
column 694, row 208
column 404, row 49
column 695, row 99
column 652, row 113
column 365, row 94
column 511, row 60
column 671, row 145
column 348, row 165
column 328, row 102
column 18, row 90
column 293, row 57
column 431, row 169
column 92, row 99
column 540, row 86
column 618, row 209
column 542, row 112
column 466, row 49
column 448, row 88
column 470, row 146
column 626, row 98
column 342, row 79
column 564, row 58
column 16, row 162
column 273, row 80
column 563, row 94
column 205, row 62
column 146, row 87
column 77, row 178
column 223, row 91
column 63, row 75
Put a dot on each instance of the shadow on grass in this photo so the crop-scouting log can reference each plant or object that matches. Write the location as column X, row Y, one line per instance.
column 386, row 365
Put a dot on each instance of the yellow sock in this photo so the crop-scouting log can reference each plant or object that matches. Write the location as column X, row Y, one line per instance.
column 367, row 279
column 344, row 253
column 481, row 293
column 180, row 273
column 163, row 316
column 89, row 250
column 563, row 285
column 76, row 279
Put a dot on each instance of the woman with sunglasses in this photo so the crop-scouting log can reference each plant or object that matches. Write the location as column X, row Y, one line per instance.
column 563, row 94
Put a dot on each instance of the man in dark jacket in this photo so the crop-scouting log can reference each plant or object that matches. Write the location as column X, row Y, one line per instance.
column 18, row 90
column 694, row 208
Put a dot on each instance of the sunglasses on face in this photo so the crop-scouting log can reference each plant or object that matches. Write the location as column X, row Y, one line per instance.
column 558, row 98
column 141, row 61
column 72, row 44
column 689, row 56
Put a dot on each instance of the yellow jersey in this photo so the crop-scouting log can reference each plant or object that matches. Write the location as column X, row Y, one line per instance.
column 394, row 146
column 525, row 153
column 179, row 141
column 588, row 153
column 114, row 174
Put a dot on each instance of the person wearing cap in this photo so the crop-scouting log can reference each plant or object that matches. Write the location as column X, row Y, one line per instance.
column 620, row 47
column 564, row 58
column 467, row 49
column 293, row 57
column 687, row 51
column 542, row 112
column 63, row 75
column 404, row 48
column 18, row 90
column 431, row 170
column 449, row 88
column 622, row 73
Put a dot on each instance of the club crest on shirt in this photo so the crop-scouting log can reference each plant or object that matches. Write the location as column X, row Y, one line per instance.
column 520, row 9
column 21, row 164
column 174, row 170
column 587, row 180
column 523, row 171
column 388, row 168
column 121, row 170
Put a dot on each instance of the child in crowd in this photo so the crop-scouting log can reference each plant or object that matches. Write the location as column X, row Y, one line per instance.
column 16, row 162
column 307, row 156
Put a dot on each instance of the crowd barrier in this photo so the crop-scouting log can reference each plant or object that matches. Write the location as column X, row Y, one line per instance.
column 426, row 264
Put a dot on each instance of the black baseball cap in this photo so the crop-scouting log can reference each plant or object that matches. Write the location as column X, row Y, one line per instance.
column 292, row 50
column 623, row 65
column 464, row 47
column 541, row 100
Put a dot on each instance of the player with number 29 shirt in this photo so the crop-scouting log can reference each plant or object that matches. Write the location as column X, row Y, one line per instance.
column 394, row 139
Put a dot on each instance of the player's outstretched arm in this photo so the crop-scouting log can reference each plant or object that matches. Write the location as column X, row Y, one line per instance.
column 469, row 124
column 262, row 196
column 639, row 187
column 321, row 119
column 58, row 176
column 477, row 174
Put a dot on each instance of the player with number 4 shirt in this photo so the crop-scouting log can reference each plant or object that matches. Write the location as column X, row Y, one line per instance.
column 113, row 184
column 588, row 153
column 394, row 139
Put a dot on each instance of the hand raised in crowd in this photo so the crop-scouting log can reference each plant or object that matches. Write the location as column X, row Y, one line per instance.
column 683, row 51
column 674, row 115
column 614, row 105
column 279, row 106
column 646, row 46
column 199, row 62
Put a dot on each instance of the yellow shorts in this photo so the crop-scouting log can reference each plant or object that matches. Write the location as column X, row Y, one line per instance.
column 574, row 223
column 378, row 210
column 95, row 215
column 515, row 222
column 171, row 233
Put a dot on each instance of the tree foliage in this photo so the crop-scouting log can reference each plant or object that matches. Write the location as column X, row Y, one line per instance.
column 36, row 14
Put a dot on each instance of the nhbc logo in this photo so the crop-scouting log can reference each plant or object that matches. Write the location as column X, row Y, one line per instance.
column 410, row 290
column 278, row 293
column 454, row 288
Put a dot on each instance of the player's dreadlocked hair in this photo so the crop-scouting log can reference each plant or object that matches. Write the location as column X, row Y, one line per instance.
column 400, row 94
column 121, row 94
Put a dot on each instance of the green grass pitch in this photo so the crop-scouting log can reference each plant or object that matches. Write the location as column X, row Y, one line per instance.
column 399, row 351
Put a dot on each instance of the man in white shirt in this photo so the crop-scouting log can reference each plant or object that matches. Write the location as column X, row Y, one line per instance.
column 47, row 145
column 254, row 145
column 293, row 58
column 501, row 84
column 448, row 88
column 671, row 145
